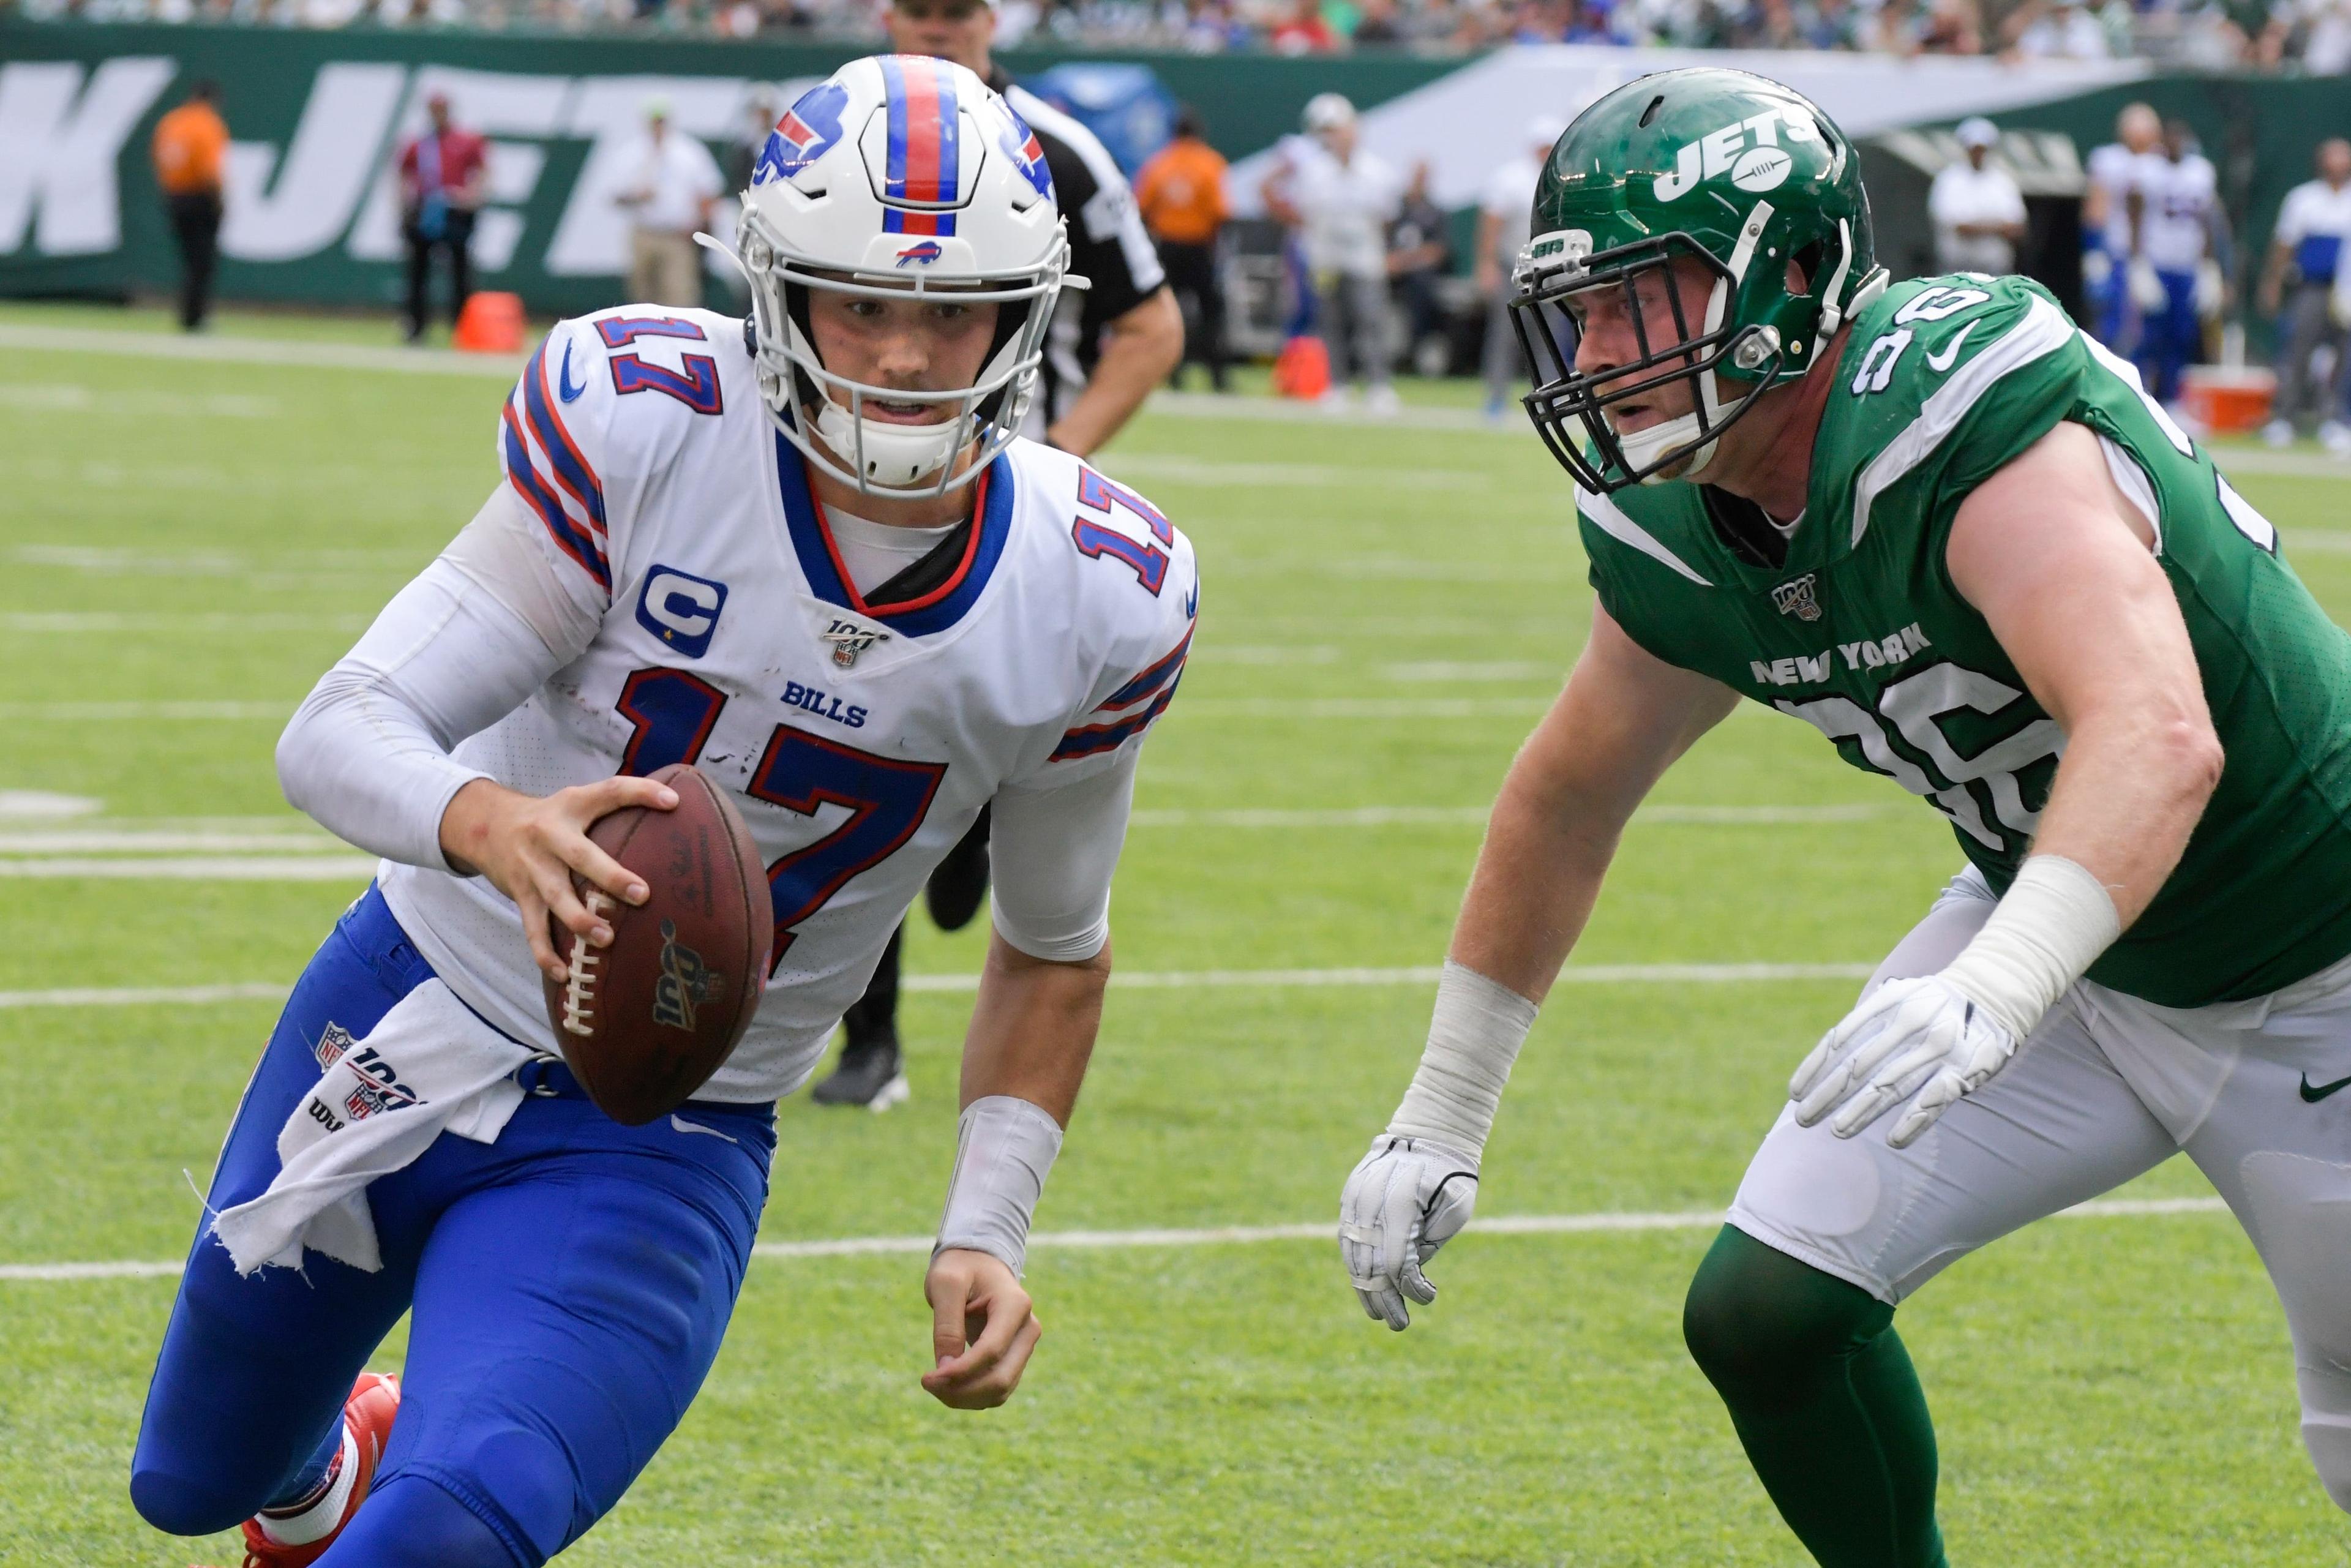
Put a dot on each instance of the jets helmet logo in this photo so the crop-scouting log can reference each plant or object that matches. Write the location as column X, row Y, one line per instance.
column 1748, row 151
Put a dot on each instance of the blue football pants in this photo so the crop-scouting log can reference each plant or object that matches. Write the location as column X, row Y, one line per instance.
column 2170, row 339
column 570, row 1284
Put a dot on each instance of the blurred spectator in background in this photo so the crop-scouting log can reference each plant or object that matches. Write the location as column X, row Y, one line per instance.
column 1420, row 253
column 1304, row 31
column 1181, row 191
column 1977, row 210
column 1505, row 214
column 189, row 148
column 2113, row 203
column 443, row 175
column 668, row 190
column 2307, row 248
column 2182, row 198
column 2057, row 30
column 759, row 117
column 2326, row 36
column 1341, row 199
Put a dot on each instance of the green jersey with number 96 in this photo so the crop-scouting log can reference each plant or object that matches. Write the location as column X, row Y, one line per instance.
column 1861, row 634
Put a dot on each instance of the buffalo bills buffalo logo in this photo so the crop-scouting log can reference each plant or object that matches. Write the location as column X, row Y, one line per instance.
column 921, row 254
column 1027, row 154
column 808, row 131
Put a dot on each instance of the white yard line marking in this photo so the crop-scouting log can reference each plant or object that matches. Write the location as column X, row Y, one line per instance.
column 1144, row 979
column 292, row 852
column 42, row 805
column 76, row 622
column 1363, row 708
column 199, row 868
column 1475, row 816
column 146, row 712
column 1448, row 672
column 1168, row 468
column 74, row 841
column 262, row 351
column 149, row 996
column 68, row 397
column 1214, row 1236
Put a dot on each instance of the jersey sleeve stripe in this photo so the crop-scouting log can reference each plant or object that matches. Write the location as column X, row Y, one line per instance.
column 571, row 469
column 2044, row 331
column 1162, row 672
column 1093, row 739
column 573, row 539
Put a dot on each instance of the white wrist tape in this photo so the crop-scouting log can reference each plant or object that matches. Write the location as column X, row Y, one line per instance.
column 1004, row 1150
column 1473, row 1039
column 2049, row 928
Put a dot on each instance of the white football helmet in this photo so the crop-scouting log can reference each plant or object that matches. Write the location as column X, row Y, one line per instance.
column 901, row 170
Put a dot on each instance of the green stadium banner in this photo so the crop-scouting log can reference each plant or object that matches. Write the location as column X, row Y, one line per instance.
column 317, row 117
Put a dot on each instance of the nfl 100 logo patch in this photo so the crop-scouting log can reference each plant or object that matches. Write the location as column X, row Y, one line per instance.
column 1799, row 597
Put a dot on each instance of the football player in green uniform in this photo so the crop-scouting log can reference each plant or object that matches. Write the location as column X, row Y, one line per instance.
column 1949, row 531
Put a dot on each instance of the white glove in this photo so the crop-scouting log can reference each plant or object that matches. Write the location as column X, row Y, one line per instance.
column 2211, row 289
column 1922, row 1037
column 2146, row 287
column 2097, row 269
column 1406, row 1198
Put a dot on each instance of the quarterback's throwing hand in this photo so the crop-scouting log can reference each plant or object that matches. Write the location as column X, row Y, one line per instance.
column 1405, row 1200
column 528, row 846
column 1921, row 1037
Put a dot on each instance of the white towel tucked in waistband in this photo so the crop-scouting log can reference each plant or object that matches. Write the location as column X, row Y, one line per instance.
column 430, row 1066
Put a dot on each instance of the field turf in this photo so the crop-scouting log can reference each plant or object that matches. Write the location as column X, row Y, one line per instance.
column 186, row 544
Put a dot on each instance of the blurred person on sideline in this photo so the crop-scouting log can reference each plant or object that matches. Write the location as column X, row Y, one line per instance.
column 1503, row 216
column 670, row 189
column 189, row 150
column 2114, row 202
column 759, row 117
column 1420, row 254
column 2307, row 247
column 1341, row 198
column 2181, row 202
column 1107, row 348
column 1975, row 205
column 1181, row 193
column 443, row 175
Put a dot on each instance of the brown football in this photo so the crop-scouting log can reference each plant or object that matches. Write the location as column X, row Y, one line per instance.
column 645, row 1022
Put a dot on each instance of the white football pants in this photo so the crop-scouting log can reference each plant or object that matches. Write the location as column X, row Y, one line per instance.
column 2108, row 1087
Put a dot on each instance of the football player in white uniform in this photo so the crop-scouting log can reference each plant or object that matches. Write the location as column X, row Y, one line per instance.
column 807, row 554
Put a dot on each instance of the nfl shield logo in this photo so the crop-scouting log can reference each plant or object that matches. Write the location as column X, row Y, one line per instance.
column 332, row 1043
column 1796, row 597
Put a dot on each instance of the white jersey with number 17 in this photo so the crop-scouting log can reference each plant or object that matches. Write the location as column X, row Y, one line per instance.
column 860, row 740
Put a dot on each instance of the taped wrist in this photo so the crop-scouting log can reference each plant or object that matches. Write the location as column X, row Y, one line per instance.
column 1473, row 1039
column 2049, row 928
column 1004, row 1150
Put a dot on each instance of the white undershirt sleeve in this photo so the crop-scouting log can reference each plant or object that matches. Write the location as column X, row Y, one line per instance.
column 465, row 644
column 1051, row 854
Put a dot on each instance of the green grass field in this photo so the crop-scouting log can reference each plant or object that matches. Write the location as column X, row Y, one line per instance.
column 186, row 544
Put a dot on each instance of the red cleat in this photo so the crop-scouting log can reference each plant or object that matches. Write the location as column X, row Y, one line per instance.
column 367, row 1416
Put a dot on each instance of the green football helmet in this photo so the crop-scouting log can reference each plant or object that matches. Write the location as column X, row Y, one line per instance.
column 1734, row 170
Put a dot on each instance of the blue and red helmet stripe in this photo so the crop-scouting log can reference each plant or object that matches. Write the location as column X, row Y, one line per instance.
column 926, row 147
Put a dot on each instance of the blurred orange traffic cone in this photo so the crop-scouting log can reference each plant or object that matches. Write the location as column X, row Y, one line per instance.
column 1302, row 369
column 489, row 324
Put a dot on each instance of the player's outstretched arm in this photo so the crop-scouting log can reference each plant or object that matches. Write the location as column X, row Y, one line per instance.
column 1622, row 720
column 2059, row 563
column 1032, row 1032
